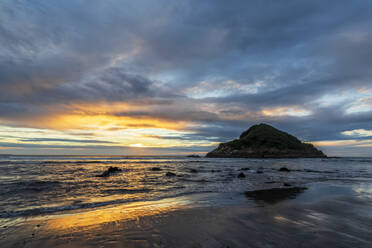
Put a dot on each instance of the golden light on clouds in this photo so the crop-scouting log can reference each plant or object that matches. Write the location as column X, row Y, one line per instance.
column 101, row 116
column 285, row 111
column 100, row 121
column 334, row 142
column 137, row 145
column 341, row 143
column 358, row 133
column 109, row 125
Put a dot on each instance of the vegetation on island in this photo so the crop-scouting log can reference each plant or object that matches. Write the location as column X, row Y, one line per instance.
column 263, row 140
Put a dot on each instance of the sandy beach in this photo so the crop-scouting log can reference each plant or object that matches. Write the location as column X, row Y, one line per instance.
column 324, row 215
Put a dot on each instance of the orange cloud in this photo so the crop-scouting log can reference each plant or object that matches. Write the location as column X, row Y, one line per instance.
column 349, row 143
column 100, row 121
column 285, row 111
column 100, row 116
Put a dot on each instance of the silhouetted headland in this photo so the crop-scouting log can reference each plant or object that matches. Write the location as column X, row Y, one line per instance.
column 265, row 141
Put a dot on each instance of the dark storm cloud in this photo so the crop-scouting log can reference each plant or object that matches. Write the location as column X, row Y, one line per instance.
column 57, row 53
column 112, row 85
column 175, row 114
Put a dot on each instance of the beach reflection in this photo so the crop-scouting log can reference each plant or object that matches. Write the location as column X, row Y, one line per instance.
column 127, row 212
column 363, row 189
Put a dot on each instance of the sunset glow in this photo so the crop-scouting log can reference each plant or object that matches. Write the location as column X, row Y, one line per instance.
column 162, row 123
column 151, row 83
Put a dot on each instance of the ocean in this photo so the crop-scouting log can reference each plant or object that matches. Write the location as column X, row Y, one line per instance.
column 37, row 190
column 35, row 185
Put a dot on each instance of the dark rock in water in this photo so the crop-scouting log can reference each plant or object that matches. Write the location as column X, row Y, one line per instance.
column 156, row 169
column 241, row 175
column 259, row 172
column 287, row 185
column 265, row 141
column 170, row 174
column 193, row 171
column 284, row 169
column 244, row 169
column 109, row 171
column 275, row 195
column 112, row 169
column 193, row 156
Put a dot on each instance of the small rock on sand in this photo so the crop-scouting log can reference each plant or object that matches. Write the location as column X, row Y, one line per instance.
column 241, row 175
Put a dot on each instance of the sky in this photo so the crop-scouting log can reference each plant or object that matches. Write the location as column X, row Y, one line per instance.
column 178, row 77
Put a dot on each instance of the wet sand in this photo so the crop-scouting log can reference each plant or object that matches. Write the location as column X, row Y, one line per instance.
column 324, row 215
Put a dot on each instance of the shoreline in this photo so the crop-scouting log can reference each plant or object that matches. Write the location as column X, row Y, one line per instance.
column 326, row 214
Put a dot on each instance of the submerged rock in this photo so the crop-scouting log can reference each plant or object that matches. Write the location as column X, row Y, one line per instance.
column 193, row 171
column 275, row 194
column 241, row 175
column 193, row 156
column 245, row 168
column 284, row 169
column 109, row 171
column 265, row 141
column 170, row 174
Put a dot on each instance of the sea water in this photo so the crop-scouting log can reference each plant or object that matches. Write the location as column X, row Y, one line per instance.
column 40, row 185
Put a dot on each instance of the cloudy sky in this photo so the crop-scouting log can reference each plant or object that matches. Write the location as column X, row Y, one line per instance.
column 178, row 77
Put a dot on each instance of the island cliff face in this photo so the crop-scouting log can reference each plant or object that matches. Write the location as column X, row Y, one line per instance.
column 265, row 141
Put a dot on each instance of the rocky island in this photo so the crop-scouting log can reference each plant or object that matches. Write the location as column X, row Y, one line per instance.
column 265, row 141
